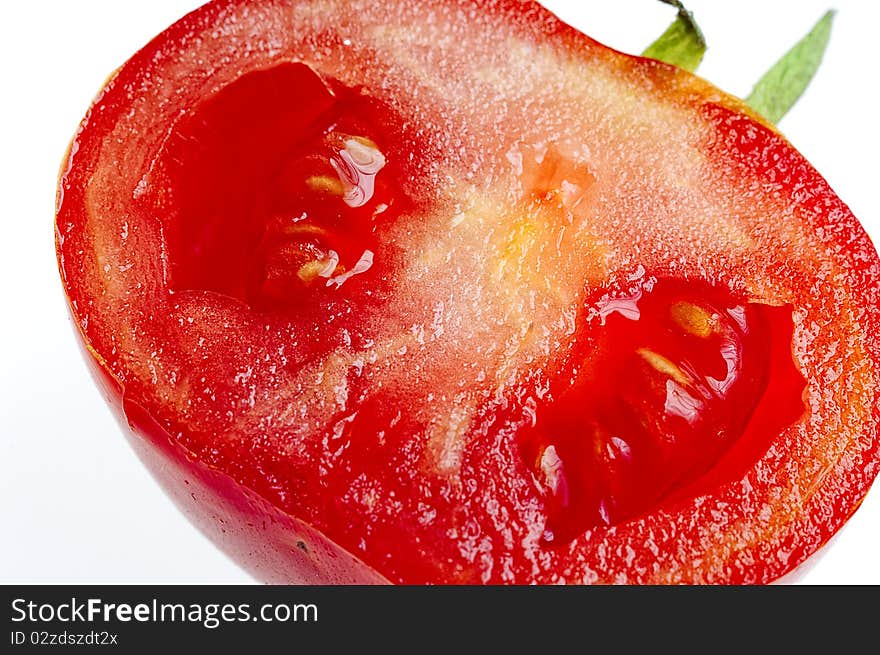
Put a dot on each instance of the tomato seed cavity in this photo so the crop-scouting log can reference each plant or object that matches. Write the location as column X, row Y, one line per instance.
column 670, row 387
column 279, row 182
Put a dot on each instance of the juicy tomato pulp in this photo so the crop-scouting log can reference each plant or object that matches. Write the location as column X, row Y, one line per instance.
column 667, row 387
column 674, row 383
column 280, row 181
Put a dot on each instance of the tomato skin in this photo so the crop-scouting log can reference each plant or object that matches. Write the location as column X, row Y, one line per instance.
column 269, row 543
column 679, row 543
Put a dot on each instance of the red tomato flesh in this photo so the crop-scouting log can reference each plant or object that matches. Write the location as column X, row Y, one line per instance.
column 447, row 292
column 280, row 185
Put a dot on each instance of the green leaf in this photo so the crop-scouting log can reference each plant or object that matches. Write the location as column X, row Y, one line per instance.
column 781, row 86
column 682, row 44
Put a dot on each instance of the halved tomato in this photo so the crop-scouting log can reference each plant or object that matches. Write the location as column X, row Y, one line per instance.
column 447, row 292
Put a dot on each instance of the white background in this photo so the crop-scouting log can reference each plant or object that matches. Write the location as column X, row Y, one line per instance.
column 75, row 504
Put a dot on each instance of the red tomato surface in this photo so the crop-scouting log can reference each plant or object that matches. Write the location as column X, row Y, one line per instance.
column 447, row 292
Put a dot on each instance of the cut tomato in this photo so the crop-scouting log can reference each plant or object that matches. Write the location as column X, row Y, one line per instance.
column 447, row 292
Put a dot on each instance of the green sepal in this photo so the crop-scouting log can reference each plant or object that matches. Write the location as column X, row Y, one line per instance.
column 781, row 86
column 682, row 44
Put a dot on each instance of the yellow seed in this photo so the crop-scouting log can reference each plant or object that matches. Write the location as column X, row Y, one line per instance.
column 326, row 184
column 693, row 318
column 365, row 141
column 310, row 271
column 662, row 365
column 303, row 230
